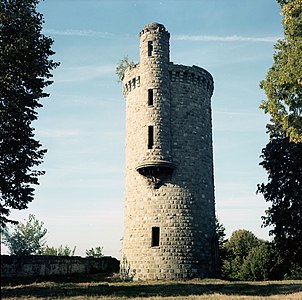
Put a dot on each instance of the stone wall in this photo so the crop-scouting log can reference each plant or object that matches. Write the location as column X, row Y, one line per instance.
column 30, row 266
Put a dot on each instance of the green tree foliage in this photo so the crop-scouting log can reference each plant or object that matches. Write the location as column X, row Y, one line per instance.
column 236, row 250
column 282, row 2
column 282, row 160
column 220, row 233
column 24, row 72
column 95, row 252
column 293, row 272
column 221, row 240
column 60, row 251
column 283, row 82
column 250, row 258
column 122, row 66
column 282, row 156
column 261, row 263
column 25, row 238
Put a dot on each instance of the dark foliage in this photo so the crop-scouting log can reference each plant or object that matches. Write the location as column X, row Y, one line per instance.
column 24, row 72
column 250, row 258
column 220, row 233
column 283, row 162
column 282, row 156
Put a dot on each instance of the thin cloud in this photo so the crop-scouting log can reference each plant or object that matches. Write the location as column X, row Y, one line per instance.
column 192, row 38
column 84, row 73
column 232, row 38
column 80, row 33
column 58, row 133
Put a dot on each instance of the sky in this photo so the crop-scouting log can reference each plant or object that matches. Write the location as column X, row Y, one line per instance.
column 82, row 123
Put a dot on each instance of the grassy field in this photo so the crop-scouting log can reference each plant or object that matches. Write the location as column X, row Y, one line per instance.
column 99, row 287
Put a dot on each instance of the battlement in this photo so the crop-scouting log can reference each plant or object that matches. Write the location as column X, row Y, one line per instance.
column 131, row 84
column 191, row 75
column 131, row 79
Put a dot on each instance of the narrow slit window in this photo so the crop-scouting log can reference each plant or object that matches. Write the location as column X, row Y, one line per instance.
column 185, row 77
column 150, row 48
column 150, row 137
column 150, row 97
column 155, row 237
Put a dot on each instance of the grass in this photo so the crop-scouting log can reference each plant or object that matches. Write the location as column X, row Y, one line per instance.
column 91, row 287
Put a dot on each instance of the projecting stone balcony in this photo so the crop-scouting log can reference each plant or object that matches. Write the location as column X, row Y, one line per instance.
column 156, row 171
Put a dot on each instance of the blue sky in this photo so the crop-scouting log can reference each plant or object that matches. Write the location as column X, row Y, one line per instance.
column 82, row 123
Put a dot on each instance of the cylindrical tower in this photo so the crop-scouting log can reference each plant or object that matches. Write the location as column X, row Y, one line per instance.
column 154, row 62
column 169, row 191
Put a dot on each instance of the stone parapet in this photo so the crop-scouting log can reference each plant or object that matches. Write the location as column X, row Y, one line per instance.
column 191, row 75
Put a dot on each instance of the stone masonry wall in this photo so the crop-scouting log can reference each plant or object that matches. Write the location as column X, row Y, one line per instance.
column 30, row 266
column 168, row 187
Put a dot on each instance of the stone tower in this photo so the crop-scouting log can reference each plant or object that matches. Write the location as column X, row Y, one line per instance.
column 169, row 191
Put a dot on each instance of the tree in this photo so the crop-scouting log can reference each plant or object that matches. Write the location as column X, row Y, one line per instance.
column 283, row 82
column 95, row 252
column 24, row 72
column 282, row 156
column 220, row 233
column 261, row 263
column 250, row 258
column 60, row 251
column 220, row 236
column 282, row 160
column 237, row 249
column 122, row 66
column 26, row 238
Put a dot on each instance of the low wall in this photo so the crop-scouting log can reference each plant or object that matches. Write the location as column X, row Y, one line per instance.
column 34, row 265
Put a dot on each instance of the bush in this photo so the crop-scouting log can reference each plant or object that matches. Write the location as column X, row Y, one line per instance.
column 95, row 252
column 294, row 272
column 250, row 258
column 259, row 263
column 60, row 251
column 236, row 249
column 122, row 66
column 25, row 238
